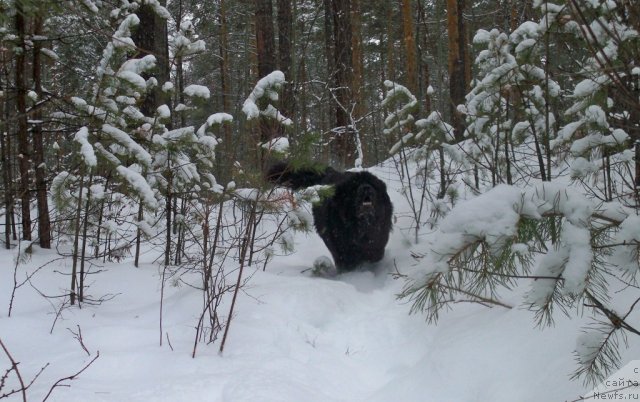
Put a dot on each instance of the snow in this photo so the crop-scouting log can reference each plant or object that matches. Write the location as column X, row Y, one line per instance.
column 625, row 257
column 125, row 140
column 266, row 87
column 122, row 36
column 179, row 134
column 493, row 218
column 401, row 103
column 275, row 114
column 86, row 149
column 556, row 197
column 159, row 9
column 139, row 66
column 588, row 346
column 133, row 78
column 134, row 113
column 213, row 120
column 580, row 146
column 90, row 5
column 126, row 100
column 199, row 91
column 141, row 186
column 183, row 46
column 588, row 87
column 279, row 144
column 167, row 86
column 247, row 194
column 78, row 102
column 97, row 191
column 577, row 241
column 435, row 120
column 581, row 167
column 295, row 337
column 163, row 112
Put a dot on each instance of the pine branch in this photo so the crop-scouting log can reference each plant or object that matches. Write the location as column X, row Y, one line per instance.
column 614, row 318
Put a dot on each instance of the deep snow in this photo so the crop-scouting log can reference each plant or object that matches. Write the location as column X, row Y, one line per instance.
column 293, row 337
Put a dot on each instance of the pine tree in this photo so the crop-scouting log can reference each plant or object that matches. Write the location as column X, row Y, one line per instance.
column 574, row 243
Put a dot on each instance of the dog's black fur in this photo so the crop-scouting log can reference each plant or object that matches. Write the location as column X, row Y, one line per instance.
column 355, row 221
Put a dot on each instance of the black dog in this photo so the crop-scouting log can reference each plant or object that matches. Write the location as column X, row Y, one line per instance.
column 355, row 221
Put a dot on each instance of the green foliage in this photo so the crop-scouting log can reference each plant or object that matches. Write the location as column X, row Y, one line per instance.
column 476, row 273
column 303, row 151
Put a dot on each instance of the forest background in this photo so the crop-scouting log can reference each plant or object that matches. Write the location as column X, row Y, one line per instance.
column 132, row 123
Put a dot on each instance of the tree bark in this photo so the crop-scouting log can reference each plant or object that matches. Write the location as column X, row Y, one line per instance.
column 44, row 221
column 457, row 63
column 344, row 145
column 329, row 116
column 357, row 58
column 73, row 293
column 266, row 50
column 285, row 64
column 24, row 153
column 5, row 150
column 265, row 42
column 225, row 88
column 391, row 73
column 151, row 38
column 410, row 46
column 425, row 73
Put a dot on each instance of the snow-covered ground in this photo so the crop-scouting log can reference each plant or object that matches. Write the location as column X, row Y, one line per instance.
column 293, row 338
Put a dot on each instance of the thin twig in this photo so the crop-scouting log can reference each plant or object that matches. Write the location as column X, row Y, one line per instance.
column 70, row 378
column 245, row 247
column 614, row 318
column 14, row 366
column 78, row 336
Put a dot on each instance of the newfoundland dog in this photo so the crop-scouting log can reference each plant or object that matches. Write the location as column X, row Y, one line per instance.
column 354, row 221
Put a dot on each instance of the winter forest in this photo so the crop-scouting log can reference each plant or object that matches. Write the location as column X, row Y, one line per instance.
column 145, row 257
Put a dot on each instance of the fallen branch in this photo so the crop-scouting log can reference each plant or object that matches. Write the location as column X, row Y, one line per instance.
column 70, row 378
column 14, row 367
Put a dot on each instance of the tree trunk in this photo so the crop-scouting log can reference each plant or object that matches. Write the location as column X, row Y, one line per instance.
column 136, row 260
column 168, row 203
column 265, row 42
column 343, row 143
column 76, row 243
column 423, row 65
column 328, row 120
column 151, row 38
column 83, row 250
column 24, row 153
column 285, row 64
column 5, row 151
column 266, row 50
column 357, row 59
column 457, row 63
column 44, row 221
column 410, row 47
column 391, row 43
column 179, row 94
column 228, row 145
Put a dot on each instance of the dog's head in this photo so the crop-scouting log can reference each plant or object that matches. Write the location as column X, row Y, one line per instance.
column 365, row 204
